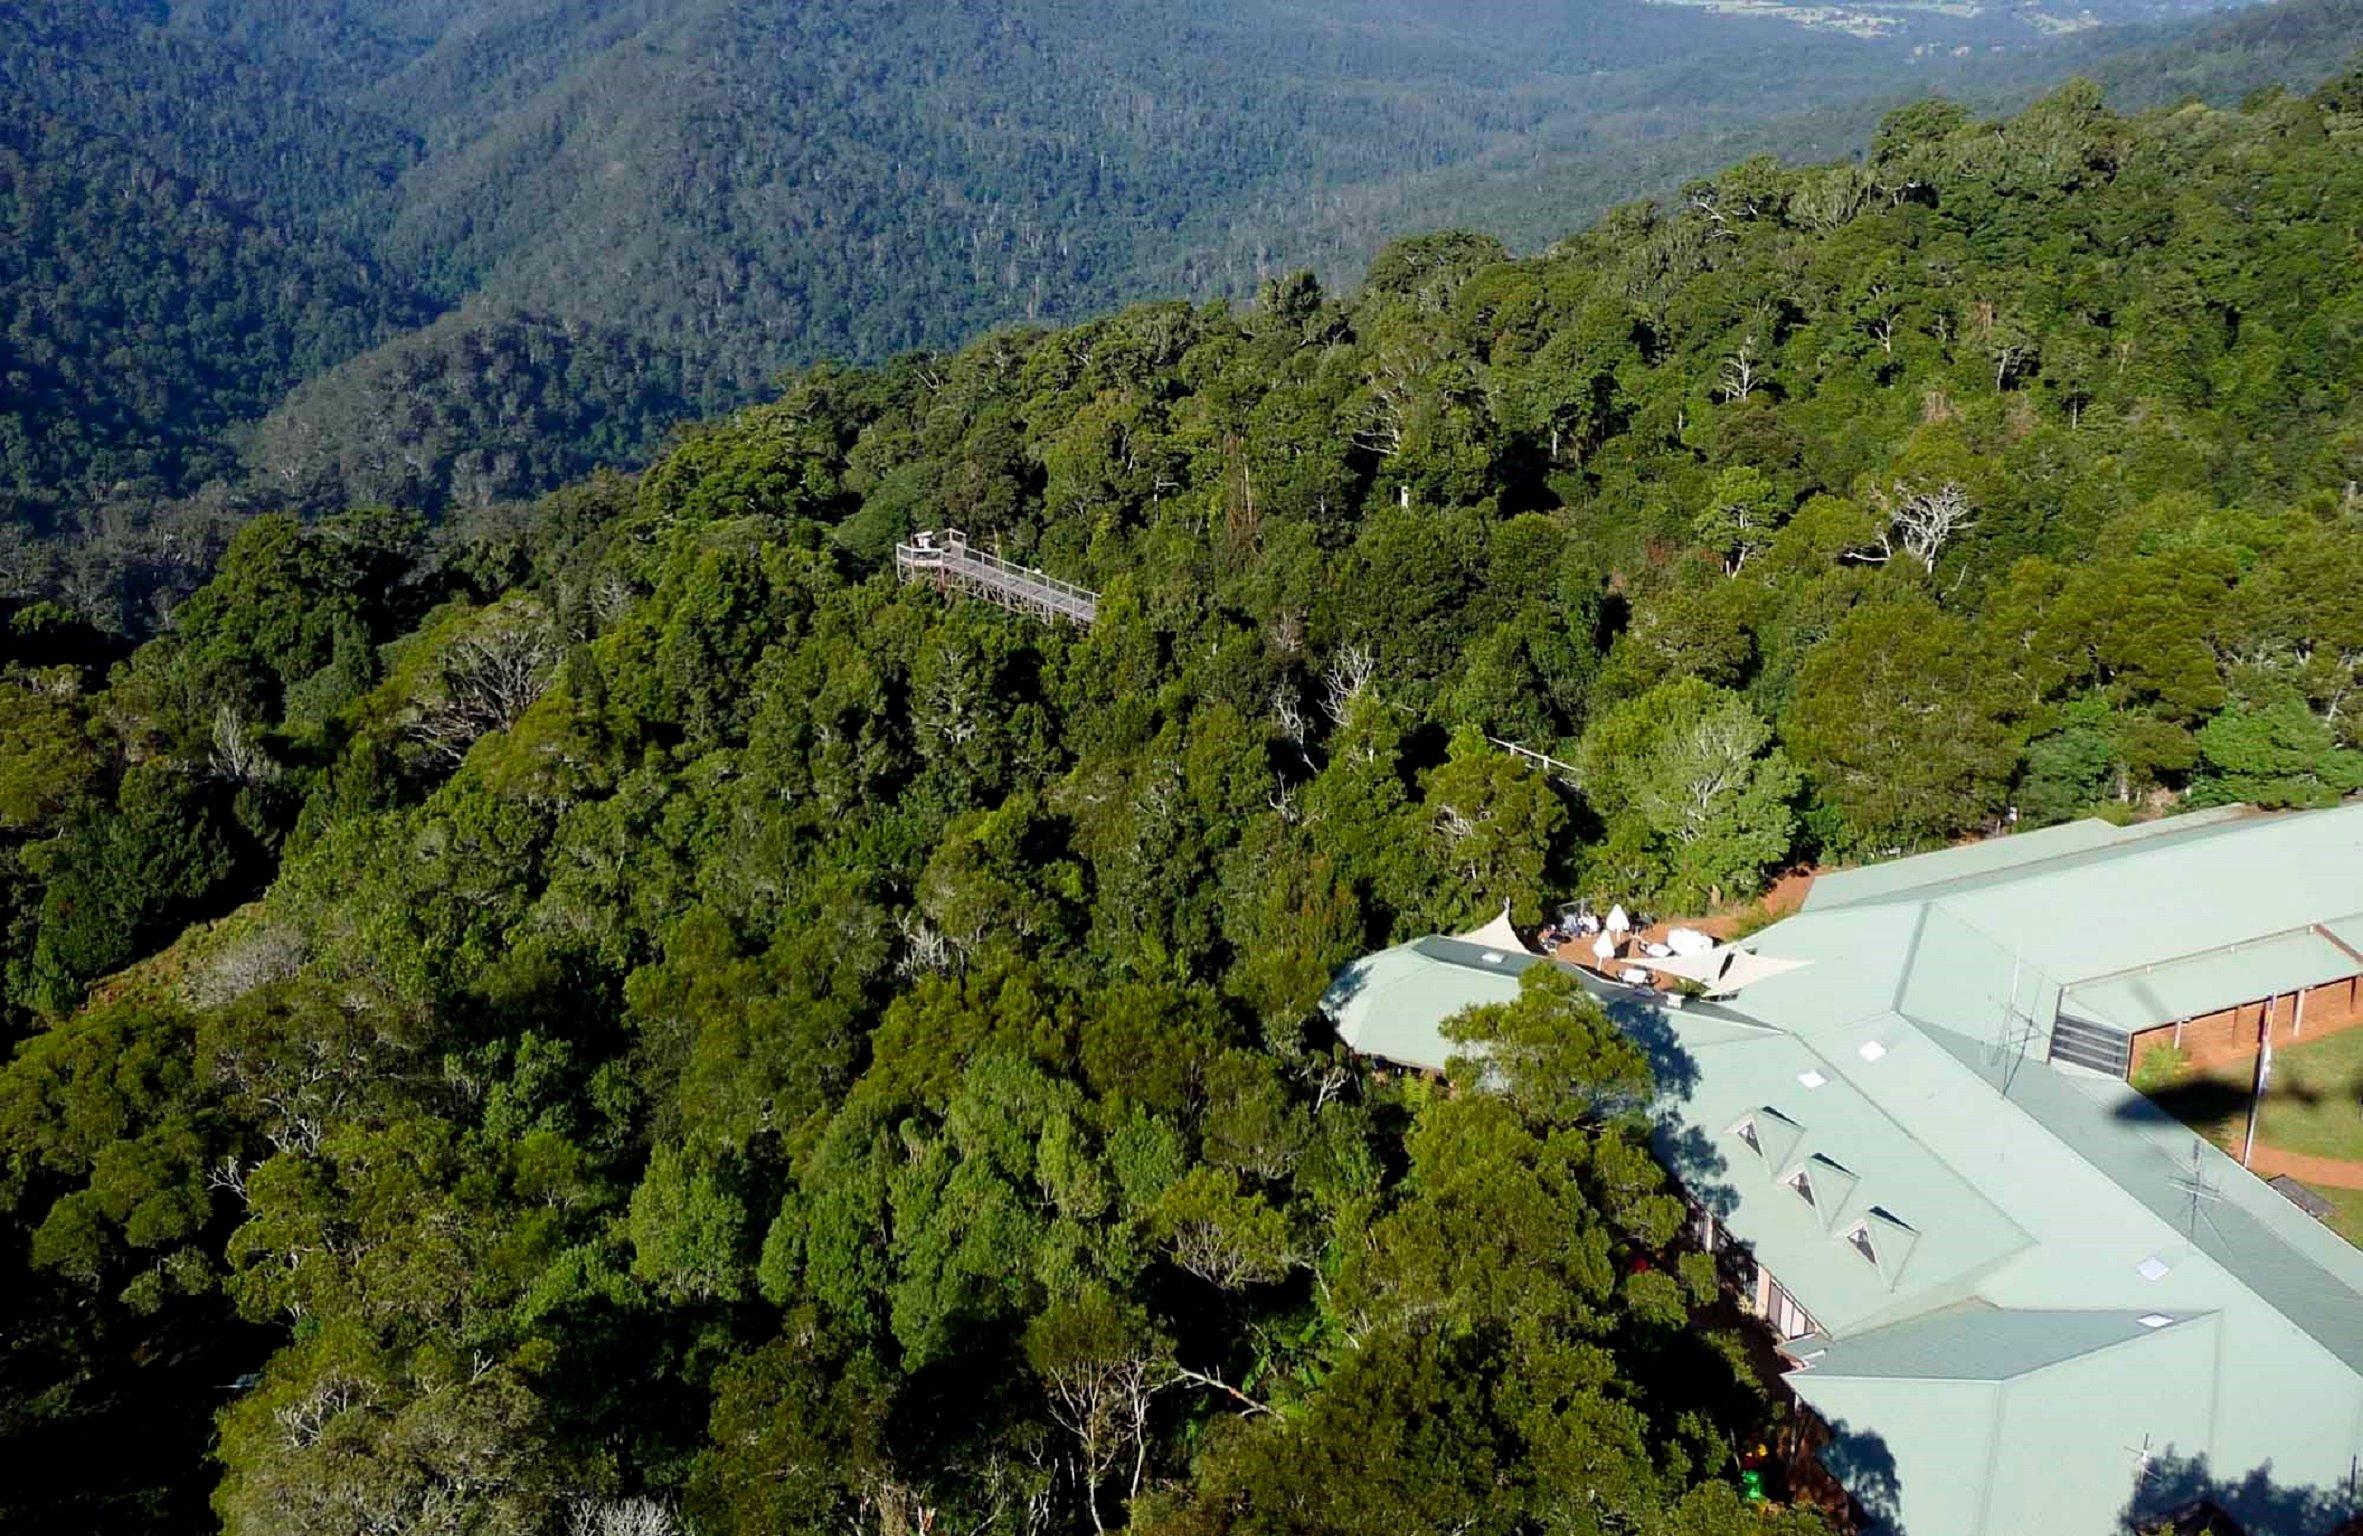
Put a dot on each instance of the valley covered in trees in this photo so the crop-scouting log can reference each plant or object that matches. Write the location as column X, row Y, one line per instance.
column 620, row 1016
column 263, row 257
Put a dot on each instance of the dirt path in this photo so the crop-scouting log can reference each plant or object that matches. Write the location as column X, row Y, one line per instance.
column 2329, row 1172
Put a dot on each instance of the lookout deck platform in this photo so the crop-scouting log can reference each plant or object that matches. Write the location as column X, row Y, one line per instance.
column 944, row 559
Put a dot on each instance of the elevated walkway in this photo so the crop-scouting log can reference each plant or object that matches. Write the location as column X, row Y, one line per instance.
column 944, row 559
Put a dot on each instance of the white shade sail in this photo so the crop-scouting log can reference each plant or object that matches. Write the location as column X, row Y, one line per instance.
column 1722, row 970
column 1497, row 934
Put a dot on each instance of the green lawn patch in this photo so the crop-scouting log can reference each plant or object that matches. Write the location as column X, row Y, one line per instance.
column 2313, row 1105
column 2346, row 1213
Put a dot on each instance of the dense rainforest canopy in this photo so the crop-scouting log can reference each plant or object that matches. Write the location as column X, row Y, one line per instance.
column 624, row 1018
column 443, row 254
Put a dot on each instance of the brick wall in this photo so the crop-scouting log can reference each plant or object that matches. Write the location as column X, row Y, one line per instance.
column 2231, row 1035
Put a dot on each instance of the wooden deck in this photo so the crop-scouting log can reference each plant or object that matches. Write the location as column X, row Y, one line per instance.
column 945, row 560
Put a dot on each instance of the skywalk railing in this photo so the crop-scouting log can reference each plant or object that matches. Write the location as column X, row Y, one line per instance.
column 944, row 558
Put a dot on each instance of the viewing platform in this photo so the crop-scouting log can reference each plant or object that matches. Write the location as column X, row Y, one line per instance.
column 944, row 558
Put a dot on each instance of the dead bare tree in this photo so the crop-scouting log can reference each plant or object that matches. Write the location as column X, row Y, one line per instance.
column 925, row 950
column 1345, row 679
column 1922, row 521
column 610, row 598
column 303, row 1421
column 1288, row 716
column 621, row 1517
column 1929, row 520
column 1184, row 1376
column 1393, row 389
column 274, row 954
column 1101, row 1396
column 1741, row 373
column 229, row 1176
column 490, row 679
column 237, row 756
column 1203, row 1247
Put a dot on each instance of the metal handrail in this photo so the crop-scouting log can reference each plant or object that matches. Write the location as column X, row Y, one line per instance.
column 953, row 559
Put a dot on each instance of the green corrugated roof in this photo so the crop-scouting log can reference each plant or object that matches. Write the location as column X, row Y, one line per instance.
column 2306, row 1272
column 2054, row 1448
column 1957, row 1233
column 2203, row 984
column 1392, row 1004
column 1877, row 882
column 2348, row 931
column 1976, row 1341
column 2043, row 1193
column 2189, row 887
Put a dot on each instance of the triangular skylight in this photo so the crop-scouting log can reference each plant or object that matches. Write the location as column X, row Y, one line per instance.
column 1777, row 1136
column 1858, row 1237
column 1833, row 1182
column 1891, row 1241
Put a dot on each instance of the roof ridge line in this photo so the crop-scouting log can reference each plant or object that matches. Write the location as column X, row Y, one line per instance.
column 2233, row 947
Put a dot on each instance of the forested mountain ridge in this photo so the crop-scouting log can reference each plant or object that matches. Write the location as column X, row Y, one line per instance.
column 698, row 195
column 626, row 1015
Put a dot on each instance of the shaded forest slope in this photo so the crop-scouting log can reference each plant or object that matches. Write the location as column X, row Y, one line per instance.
column 626, row 1014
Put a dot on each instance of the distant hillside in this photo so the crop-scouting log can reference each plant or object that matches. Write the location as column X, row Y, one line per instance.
column 218, row 201
column 626, row 1019
column 147, row 312
column 477, row 408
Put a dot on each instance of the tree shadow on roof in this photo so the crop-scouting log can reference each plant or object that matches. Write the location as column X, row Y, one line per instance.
column 1863, row 1465
column 1687, row 1152
column 1698, row 1165
column 1675, row 1069
column 2184, row 1495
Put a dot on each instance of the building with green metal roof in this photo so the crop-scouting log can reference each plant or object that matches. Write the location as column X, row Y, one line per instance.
column 2024, row 1299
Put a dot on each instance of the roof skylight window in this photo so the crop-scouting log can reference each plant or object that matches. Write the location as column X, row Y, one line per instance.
column 1858, row 1237
column 1811, row 1078
column 2153, row 1268
column 1802, row 1185
column 1870, row 1050
column 2153, row 1319
column 1746, row 1132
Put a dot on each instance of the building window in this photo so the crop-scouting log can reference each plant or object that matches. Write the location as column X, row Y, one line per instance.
column 1746, row 1132
column 1803, row 1186
column 1859, row 1238
column 1777, row 1307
